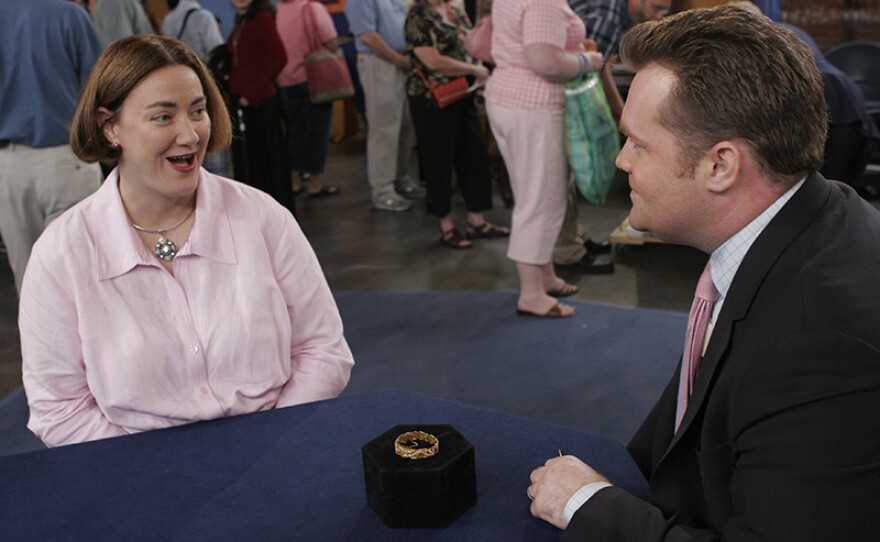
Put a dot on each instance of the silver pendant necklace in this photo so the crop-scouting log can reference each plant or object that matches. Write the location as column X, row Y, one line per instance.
column 165, row 249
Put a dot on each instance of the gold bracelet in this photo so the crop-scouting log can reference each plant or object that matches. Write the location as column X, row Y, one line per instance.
column 406, row 445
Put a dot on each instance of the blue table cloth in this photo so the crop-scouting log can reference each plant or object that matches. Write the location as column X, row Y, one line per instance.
column 286, row 474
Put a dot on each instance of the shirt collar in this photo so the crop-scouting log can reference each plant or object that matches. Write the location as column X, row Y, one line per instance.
column 119, row 249
column 726, row 259
column 211, row 236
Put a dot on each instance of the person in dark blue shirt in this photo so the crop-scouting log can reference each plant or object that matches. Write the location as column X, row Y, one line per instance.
column 47, row 50
column 852, row 134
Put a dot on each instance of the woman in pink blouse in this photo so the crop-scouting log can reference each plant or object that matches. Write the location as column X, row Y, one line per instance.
column 538, row 45
column 303, row 26
column 170, row 295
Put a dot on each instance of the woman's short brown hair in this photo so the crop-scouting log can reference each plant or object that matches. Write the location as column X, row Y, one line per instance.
column 120, row 69
column 739, row 76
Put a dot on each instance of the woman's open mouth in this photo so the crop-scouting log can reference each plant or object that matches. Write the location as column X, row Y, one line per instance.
column 184, row 162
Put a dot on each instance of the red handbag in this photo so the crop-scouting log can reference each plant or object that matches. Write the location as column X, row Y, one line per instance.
column 446, row 94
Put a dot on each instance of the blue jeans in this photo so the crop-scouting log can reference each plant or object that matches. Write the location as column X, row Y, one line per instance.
column 308, row 129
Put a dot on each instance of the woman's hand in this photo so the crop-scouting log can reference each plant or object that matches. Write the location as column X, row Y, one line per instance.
column 597, row 60
column 448, row 66
column 558, row 66
column 481, row 74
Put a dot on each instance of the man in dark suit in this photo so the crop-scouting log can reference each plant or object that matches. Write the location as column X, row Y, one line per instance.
column 778, row 439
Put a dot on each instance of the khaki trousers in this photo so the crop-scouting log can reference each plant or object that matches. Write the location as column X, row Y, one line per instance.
column 36, row 186
column 570, row 247
column 389, row 126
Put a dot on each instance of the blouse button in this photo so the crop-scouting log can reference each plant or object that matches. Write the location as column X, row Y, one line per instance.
column 204, row 390
column 194, row 350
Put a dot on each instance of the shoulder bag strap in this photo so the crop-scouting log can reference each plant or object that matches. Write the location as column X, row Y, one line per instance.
column 314, row 43
column 424, row 79
column 185, row 19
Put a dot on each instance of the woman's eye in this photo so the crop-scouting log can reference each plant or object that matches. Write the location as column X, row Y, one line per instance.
column 162, row 117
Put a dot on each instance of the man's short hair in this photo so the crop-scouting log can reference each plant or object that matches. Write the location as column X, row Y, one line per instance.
column 739, row 77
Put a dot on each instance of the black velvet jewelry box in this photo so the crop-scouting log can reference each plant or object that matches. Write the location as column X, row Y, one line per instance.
column 420, row 493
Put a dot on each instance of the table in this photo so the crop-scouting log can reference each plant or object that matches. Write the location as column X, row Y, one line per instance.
column 287, row 474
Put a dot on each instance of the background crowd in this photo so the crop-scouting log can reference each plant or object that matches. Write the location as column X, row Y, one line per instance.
column 414, row 149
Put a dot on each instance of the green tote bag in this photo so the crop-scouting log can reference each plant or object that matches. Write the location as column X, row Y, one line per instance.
column 591, row 138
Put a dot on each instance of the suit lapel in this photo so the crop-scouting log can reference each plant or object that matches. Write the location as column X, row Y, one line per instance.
column 791, row 220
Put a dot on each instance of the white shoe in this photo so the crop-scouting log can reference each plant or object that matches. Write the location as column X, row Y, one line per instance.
column 392, row 203
column 408, row 189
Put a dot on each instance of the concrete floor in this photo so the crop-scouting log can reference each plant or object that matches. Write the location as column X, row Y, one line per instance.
column 363, row 249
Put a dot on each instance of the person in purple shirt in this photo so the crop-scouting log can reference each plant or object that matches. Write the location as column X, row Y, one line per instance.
column 170, row 295
column 47, row 49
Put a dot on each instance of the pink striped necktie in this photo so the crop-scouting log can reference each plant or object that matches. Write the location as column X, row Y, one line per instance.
column 701, row 313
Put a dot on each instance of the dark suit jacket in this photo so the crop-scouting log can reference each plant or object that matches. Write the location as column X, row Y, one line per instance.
column 781, row 438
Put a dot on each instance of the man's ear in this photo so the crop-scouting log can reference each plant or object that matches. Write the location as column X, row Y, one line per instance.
column 723, row 165
column 107, row 124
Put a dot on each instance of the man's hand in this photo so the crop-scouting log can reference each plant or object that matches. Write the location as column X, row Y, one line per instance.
column 403, row 63
column 379, row 47
column 555, row 483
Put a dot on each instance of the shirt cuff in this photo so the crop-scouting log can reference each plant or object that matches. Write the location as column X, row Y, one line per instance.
column 579, row 498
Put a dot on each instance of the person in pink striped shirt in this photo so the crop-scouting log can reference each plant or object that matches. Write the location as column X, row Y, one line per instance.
column 171, row 295
column 538, row 45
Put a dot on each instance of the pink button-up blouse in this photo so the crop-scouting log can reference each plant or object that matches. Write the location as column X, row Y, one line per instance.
column 114, row 344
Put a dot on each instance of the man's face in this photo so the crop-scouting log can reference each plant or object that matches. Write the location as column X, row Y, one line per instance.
column 668, row 197
column 648, row 10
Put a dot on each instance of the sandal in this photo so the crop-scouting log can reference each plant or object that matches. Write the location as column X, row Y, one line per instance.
column 563, row 291
column 454, row 238
column 559, row 310
column 303, row 180
column 325, row 191
column 486, row 230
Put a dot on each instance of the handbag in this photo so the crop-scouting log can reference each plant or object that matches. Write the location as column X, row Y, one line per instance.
column 328, row 76
column 326, row 71
column 592, row 141
column 446, row 94
column 219, row 62
column 478, row 42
